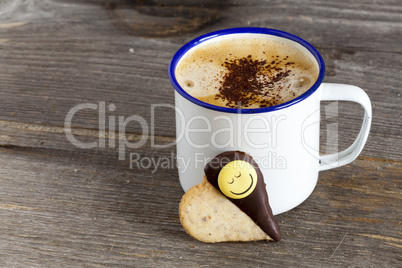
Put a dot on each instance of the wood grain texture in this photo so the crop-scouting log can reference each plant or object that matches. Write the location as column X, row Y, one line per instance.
column 67, row 63
column 61, row 206
column 76, row 209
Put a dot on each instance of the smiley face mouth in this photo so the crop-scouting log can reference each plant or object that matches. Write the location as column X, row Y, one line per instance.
column 251, row 184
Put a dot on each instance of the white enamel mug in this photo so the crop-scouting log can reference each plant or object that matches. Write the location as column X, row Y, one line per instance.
column 282, row 139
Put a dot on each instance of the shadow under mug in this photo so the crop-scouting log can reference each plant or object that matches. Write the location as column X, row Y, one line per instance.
column 283, row 139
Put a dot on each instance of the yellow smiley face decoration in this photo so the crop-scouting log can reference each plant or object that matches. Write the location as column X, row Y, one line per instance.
column 237, row 179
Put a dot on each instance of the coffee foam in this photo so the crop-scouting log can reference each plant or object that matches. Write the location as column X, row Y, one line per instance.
column 200, row 71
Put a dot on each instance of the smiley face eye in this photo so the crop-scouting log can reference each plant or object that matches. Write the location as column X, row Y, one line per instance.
column 239, row 175
column 231, row 181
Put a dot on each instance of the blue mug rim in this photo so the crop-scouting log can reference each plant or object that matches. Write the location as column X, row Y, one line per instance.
column 244, row 30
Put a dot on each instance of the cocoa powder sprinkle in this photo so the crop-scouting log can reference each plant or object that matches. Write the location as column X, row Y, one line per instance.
column 249, row 81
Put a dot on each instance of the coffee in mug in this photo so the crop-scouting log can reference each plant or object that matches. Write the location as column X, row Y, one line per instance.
column 247, row 71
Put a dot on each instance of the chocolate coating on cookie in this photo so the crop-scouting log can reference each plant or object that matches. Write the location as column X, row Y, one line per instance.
column 254, row 204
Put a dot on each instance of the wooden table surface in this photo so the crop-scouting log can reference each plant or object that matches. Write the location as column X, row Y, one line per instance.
column 63, row 206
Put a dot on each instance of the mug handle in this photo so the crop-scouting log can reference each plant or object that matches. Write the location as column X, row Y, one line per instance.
column 330, row 91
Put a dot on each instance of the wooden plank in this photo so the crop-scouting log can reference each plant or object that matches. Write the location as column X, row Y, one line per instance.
column 66, row 209
column 41, row 80
column 49, row 106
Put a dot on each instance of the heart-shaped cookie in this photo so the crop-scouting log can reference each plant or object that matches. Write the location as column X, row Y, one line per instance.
column 231, row 203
